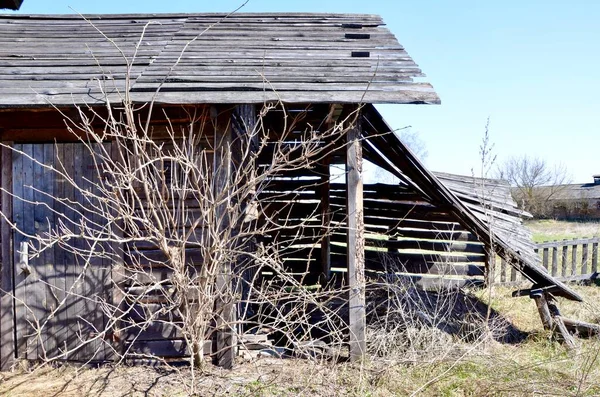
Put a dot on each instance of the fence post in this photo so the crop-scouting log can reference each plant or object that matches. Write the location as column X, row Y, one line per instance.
column 595, row 257
column 574, row 260
column 565, row 256
column 584, row 258
column 554, row 261
column 545, row 259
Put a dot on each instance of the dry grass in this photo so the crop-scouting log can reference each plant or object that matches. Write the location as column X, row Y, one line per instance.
column 549, row 229
column 486, row 367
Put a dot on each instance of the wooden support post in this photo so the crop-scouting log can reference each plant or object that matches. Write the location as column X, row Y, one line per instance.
column 7, row 341
column 225, row 308
column 560, row 330
column 542, row 305
column 324, row 190
column 551, row 318
column 244, row 119
column 356, row 244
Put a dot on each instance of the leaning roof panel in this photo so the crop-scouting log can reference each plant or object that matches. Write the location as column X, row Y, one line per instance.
column 204, row 58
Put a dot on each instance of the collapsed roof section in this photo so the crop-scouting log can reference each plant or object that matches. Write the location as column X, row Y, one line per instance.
column 484, row 211
column 204, row 58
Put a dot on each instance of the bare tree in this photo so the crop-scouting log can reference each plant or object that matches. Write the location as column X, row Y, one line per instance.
column 415, row 143
column 534, row 181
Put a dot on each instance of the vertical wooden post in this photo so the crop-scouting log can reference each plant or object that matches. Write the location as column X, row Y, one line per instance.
column 225, row 309
column 554, row 261
column 594, row 257
column 356, row 244
column 545, row 262
column 564, row 259
column 324, row 191
column 243, row 122
column 584, row 259
column 7, row 341
column 574, row 260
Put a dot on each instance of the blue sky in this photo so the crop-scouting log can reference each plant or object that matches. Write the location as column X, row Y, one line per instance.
column 532, row 66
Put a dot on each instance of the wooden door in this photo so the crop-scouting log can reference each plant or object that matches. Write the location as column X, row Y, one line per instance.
column 59, row 295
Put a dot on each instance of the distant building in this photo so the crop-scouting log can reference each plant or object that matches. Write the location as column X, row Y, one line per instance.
column 578, row 201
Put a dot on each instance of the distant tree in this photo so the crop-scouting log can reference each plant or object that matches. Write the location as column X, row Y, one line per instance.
column 534, row 182
column 415, row 143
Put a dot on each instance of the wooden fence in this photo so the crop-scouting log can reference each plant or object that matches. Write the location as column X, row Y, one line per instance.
column 566, row 260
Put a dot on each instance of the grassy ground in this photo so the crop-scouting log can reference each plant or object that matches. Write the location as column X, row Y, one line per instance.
column 484, row 367
column 548, row 229
column 536, row 366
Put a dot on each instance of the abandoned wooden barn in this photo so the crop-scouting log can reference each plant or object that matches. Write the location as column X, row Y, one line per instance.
column 314, row 72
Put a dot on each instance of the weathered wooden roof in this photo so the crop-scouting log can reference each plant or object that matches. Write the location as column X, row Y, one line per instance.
column 571, row 192
column 487, row 222
column 10, row 4
column 204, row 58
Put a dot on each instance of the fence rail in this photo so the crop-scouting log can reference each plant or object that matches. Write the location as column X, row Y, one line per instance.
column 566, row 260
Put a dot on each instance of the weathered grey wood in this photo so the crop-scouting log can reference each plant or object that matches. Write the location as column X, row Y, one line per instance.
column 561, row 332
column 44, row 218
column 545, row 262
column 225, row 309
column 581, row 328
column 561, row 243
column 18, row 277
column 398, row 157
column 60, row 331
column 573, row 260
column 117, row 273
column 584, row 258
column 70, row 268
column 543, row 310
column 324, row 191
column 7, row 342
column 594, row 257
column 93, row 285
column 513, row 274
column 355, row 245
column 554, row 261
column 503, row 267
column 32, row 294
column 236, row 48
column 564, row 260
column 12, row 98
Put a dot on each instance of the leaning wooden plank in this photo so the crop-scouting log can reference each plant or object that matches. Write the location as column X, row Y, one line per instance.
column 581, row 328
